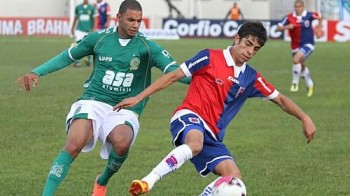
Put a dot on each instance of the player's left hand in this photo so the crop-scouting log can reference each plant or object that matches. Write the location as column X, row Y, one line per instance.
column 27, row 80
column 319, row 32
column 126, row 103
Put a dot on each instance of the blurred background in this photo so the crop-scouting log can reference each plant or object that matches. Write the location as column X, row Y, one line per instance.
column 188, row 18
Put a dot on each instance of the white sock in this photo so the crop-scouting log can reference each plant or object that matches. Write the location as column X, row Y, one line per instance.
column 307, row 76
column 296, row 73
column 174, row 160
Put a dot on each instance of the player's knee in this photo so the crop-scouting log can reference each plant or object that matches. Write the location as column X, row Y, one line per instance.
column 228, row 168
column 121, row 148
column 196, row 147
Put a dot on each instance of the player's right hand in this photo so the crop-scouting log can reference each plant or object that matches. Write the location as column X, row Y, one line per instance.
column 126, row 103
column 27, row 80
column 290, row 26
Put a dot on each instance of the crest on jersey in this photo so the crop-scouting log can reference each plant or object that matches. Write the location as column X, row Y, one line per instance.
column 134, row 63
column 239, row 92
column 307, row 23
column 194, row 120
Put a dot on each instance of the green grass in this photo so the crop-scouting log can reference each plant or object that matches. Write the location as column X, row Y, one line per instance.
column 268, row 144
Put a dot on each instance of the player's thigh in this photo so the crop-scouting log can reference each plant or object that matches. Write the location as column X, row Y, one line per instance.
column 298, row 57
column 120, row 126
column 227, row 167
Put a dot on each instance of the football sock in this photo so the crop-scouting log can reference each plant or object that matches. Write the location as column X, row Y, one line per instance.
column 296, row 73
column 59, row 170
column 174, row 160
column 307, row 76
column 113, row 164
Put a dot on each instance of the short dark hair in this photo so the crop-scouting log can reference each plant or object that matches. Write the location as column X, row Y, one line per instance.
column 129, row 4
column 255, row 29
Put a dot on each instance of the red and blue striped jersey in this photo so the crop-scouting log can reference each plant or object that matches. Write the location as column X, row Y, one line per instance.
column 219, row 88
column 104, row 10
column 302, row 33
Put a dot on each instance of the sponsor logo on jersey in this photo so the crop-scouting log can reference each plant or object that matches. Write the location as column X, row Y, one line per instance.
column 197, row 61
column 234, row 80
column 134, row 63
column 194, row 120
column 264, row 85
column 171, row 161
column 105, row 58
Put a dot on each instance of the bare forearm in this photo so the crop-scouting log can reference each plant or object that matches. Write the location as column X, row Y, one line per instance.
column 291, row 108
column 163, row 82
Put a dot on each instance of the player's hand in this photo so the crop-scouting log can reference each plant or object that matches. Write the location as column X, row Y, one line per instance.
column 319, row 32
column 27, row 81
column 126, row 103
column 309, row 129
column 290, row 26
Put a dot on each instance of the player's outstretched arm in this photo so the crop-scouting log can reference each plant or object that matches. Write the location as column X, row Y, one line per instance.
column 309, row 128
column 163, row 82
column 27, row 81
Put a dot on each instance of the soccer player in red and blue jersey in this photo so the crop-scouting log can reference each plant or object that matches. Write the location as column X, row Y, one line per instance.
column 104, row 14
column 299, row 26
column 221, row 82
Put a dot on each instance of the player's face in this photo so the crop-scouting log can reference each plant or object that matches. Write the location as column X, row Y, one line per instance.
column 299, row 8
column 129, row 23
column 244, row 49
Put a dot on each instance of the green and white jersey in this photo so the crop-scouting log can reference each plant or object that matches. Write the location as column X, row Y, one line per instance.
column 122, row 68
column 85, row 14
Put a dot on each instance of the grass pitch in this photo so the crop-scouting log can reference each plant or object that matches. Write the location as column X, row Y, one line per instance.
column 268, row 144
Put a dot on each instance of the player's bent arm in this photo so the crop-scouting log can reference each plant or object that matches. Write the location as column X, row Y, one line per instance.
column 163, row 82
column 292, row 108
column 280, row 27
column 56, row 63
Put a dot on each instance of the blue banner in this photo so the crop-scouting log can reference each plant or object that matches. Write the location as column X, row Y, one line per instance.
column 210, row 28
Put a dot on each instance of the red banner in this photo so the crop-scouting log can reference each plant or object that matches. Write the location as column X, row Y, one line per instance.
column 38, row 26
column 35, row 26
column 338, row 31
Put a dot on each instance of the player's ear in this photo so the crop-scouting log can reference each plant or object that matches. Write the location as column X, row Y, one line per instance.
column 118, row 16
column 235, row 39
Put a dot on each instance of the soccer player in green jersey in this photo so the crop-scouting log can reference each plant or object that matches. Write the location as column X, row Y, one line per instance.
column 83, row 24
column 123, row 59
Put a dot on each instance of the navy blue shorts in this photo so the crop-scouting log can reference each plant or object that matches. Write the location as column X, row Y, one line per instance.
column 306, row 49
column 213, row 151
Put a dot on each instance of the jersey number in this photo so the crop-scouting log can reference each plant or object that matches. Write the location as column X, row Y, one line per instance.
column 118, row 79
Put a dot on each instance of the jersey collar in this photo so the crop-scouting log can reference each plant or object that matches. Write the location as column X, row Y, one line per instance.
column 231, row 62
column 302, row 14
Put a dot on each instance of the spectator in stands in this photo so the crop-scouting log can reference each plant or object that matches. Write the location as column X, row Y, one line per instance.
column 104, row 14
column 234, row 13
column 83, row 24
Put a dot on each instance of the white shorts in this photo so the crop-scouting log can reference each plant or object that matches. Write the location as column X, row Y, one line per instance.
column 104, row 119
column 78, row 35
